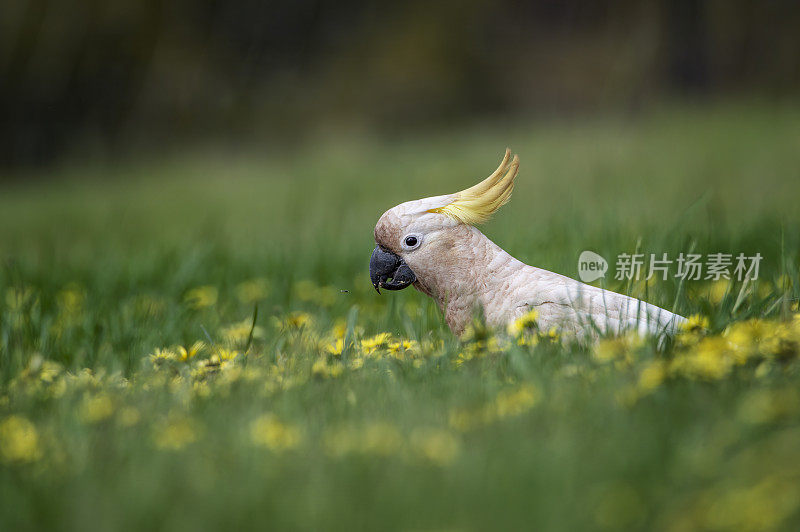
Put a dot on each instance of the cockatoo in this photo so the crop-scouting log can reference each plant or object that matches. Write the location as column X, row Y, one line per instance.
column 433, row 245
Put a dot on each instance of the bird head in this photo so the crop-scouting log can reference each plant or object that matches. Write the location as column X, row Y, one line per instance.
column 421, row 242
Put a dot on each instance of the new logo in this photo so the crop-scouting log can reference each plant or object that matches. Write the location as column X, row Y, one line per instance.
column 591, row 266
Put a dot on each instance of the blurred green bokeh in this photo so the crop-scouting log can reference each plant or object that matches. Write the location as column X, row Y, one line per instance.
column 89, row 79
column 167, row 165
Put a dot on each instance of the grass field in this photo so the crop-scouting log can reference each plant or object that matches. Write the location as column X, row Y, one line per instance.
column 139, row 389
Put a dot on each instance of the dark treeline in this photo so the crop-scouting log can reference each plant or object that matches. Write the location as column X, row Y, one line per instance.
column 110, row 72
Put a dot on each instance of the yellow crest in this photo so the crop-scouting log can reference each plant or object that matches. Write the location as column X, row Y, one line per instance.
column 476, row 204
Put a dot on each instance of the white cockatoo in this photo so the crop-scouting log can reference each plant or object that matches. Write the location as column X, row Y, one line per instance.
column 433, row 244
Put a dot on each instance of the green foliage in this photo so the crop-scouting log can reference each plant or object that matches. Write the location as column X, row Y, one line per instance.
column 140, row 388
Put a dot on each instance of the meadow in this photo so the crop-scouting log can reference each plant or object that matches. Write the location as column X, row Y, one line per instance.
column 192, row 341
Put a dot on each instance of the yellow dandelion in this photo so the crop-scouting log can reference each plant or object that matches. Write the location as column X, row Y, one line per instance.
column 339, row 329
column 17, row 298
column 96, row 408
column 651, row 376
column 295, row 321
column 692, row 330
column 71, row 299
column 508, row 403
column 517, row 401
column 336, row 347
column 718, row 289
column 201, row 297
column 619, row 349
column 322, row 368
column 327, row 296
column 399, row 348
column 436, row 445
column 175, row 434
column 128, row 416
column 306, row 290
column 524, row 324
column 380, row 439
column 161, row 356
column 695, row 323
column 760, row 506
column 240, row 332
column 710, row 359
column 19, row 440
column 184, row 353
column 373, row 343
column 252, row 291
column 269, row 432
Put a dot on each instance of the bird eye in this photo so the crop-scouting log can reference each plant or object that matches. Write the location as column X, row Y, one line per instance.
column 411, row 241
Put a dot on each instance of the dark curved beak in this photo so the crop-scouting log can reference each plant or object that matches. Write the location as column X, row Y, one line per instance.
column 387, row 270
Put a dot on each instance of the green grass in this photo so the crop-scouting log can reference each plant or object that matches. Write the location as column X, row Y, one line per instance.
column 99, row 265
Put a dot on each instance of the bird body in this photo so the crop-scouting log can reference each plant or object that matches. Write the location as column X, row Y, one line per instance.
column 433, row 244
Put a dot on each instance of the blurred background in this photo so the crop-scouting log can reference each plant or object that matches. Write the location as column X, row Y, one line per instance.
column 115, row 78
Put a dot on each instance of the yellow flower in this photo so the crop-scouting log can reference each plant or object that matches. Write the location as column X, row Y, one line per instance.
column 161, row 356
column 760, row 338
column 507, row 403
column 336, row 347
column 295, row 320
column 439, row 446
column 19, row 300
column 201, row 297
column 128, row 416
column 322, row 368
column 517, row 401
column 19, row 440
column 398, row 348
column 692, row 330
column 524, row 324
column 718, row 289
column 760, row 506
column 651, row 376
column 380, row 439
column 618, row 349
column 96, row 408
column 252, row 291
column 44, row 370
column 185, row 354
column 71, row 300
column 709, row 359
column 695, row 323
column 372, row 344
column 339, row 329
column 309, row 291
column 305, row 290
column 269, row 432
column 240, row 332
column 550, row 335
column 227, row 354
column 175, row 434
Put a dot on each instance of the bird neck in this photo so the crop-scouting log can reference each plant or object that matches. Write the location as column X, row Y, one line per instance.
column 475, row 270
